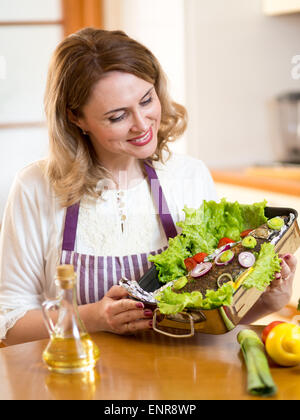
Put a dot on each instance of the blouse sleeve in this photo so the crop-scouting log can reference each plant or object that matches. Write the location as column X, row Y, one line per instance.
column 22, row 274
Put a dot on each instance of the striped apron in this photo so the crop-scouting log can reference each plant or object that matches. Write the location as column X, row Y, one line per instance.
column 97, row 274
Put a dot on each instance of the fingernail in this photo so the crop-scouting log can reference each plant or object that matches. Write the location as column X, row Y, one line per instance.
column 140, row 305
column 287, row 257
column 148, row 312
column 151, row 324
column 277, row 276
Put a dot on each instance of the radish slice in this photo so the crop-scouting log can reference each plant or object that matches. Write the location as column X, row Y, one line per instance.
column 201, row 269
column 219, row 262
column 226, row 247
column 246, row 259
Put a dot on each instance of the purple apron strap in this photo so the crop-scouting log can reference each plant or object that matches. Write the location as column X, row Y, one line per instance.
column 161, row 203
column 70, row 228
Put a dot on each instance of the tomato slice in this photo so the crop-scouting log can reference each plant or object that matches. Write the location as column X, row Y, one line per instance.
column 224, row 241
column 245, row 233
column 199, row 258
column 268, row 328
column 190, row 263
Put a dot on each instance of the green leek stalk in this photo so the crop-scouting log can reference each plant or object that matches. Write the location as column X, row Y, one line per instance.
column 259, row 379
column 228, row 324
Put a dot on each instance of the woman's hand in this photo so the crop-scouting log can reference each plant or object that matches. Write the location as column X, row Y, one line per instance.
column 277, row 294
column 120, row 315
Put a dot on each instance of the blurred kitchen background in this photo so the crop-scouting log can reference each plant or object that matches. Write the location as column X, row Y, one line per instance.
column 235, row 65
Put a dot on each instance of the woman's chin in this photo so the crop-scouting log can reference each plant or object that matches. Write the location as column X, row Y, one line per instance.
column 144, row 152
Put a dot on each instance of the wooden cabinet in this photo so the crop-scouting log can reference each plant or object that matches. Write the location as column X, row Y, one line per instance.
column 280, row 7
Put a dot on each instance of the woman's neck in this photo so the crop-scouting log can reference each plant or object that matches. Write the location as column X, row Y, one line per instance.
column 124, row 173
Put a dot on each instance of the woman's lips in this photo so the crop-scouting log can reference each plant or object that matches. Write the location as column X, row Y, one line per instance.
column 142, row 140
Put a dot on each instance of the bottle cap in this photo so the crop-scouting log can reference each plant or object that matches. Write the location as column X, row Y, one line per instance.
column 65, row 276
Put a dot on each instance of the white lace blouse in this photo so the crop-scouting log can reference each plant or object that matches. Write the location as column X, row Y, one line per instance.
column 112, row 225
column 120, row 222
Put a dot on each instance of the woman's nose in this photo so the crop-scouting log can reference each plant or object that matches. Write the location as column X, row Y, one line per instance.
column 139, row 122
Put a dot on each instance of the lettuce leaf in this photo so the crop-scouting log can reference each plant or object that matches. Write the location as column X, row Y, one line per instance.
column 213, row 221
column 265, row 267
column 201, row 231
column 172, row 303
column 170, row 263
column 215, row 299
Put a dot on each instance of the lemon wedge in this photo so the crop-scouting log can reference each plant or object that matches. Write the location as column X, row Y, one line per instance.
column 241, row 278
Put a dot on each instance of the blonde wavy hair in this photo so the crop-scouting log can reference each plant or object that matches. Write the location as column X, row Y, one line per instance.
column 78, row 63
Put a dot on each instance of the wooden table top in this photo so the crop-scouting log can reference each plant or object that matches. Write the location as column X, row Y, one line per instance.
column 145, row 367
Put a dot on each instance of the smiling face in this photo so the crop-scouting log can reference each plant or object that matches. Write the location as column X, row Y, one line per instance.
column 122, row 118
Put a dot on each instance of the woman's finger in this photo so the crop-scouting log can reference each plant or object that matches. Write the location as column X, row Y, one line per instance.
column 291, row 261
column 117, row 292
column 131, row 321
column 137, row 325
column 132, row 315
column 288, row 268
column 285, row 270
column 122, row 306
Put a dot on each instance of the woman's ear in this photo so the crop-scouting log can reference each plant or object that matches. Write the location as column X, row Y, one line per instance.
column 73, row 118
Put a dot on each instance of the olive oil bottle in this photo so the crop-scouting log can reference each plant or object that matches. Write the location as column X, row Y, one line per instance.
column 70, row 349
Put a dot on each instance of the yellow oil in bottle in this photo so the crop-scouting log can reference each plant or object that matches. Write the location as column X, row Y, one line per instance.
column 71, row 349
column 71, row 355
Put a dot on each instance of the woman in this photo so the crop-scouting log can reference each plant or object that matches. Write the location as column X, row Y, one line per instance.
column 108, row 194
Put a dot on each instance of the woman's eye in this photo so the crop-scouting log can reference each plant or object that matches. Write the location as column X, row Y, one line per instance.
column 117, row 119
column 121, row 117
column 147, row 101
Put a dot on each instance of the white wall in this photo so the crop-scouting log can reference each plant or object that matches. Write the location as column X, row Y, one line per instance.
column 160, row 25
column 237, row 60
column 25, row 52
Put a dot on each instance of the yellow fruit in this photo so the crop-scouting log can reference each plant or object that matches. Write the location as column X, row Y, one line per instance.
column 283, row 344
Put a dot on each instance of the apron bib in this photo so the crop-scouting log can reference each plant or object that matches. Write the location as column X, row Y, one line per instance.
column 97, row 274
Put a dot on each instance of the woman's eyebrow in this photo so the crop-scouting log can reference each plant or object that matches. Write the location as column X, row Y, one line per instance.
column 122, row 109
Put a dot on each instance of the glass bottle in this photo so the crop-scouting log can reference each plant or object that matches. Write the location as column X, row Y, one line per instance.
column 70, row 349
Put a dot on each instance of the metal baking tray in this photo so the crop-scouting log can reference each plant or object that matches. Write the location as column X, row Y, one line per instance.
column 225, row 318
